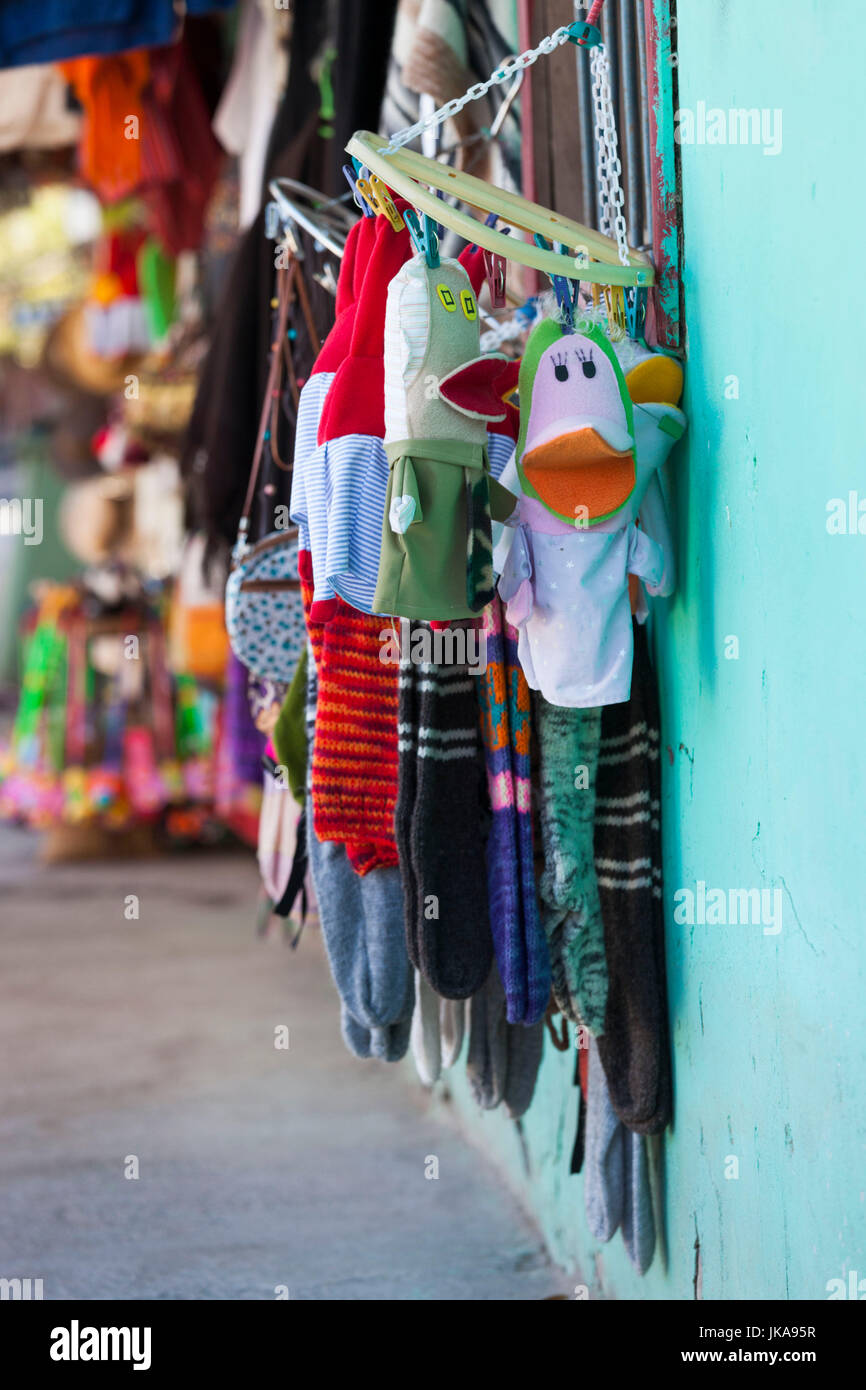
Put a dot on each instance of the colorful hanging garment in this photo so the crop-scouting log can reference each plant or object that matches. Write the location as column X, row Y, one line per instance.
column 519, row 942
column 362, row 926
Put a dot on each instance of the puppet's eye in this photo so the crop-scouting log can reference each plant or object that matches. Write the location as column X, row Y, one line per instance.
column 469, row 306
column 587, row 364
column 560, row 370
column 447, row 298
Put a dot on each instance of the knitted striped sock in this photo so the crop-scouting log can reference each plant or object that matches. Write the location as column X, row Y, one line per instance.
column 452, row 923
column 503, row 868
column 635, row 1048
column 519, row 941
column 407, row 745
column 520, row 731
column 568, row 741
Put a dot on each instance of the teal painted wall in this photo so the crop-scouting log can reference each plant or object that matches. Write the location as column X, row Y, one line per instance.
column 766, row 781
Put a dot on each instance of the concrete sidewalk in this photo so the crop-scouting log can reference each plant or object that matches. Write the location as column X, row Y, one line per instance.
column 258, row 1168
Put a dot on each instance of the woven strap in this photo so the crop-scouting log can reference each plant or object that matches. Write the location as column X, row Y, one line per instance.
column 286, row 281
column 297, row 287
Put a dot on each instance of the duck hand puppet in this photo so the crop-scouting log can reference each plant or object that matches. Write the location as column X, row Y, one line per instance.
column 440, row 396
column 565, row 582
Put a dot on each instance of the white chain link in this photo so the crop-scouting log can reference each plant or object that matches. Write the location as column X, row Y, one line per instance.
column 608, row 165
column 479, row 89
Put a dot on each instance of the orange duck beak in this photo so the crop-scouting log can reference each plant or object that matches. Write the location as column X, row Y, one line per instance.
column 578, row 474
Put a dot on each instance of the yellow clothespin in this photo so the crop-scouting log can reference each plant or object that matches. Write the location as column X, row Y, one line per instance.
column 380, row 200
column 614, row 301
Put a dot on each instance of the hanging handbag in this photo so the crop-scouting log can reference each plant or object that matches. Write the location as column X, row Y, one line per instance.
column 264, row 610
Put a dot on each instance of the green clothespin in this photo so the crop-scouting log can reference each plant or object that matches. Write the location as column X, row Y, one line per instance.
column 584, row 35
column 424, row 237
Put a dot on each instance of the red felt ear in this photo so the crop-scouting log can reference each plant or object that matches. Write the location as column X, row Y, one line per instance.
column 471, row 389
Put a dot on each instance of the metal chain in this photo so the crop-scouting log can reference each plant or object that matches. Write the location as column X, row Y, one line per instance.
column 608, row 163
column 478, row 90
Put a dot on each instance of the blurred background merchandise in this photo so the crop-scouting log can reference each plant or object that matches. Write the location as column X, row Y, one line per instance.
column 118, row 210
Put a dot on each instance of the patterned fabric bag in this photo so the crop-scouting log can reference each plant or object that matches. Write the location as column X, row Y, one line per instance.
column 264, row 611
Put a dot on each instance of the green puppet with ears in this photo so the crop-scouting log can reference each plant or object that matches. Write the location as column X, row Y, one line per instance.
column 441, row 397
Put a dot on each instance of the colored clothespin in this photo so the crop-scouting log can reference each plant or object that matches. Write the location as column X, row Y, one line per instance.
column 352, row 180
column 584, row 35
column 272, row 221
column 565, row 289
column 615, row 303
column 379, row 197
column 635, row 311
column 494, row 268
column 424, row 237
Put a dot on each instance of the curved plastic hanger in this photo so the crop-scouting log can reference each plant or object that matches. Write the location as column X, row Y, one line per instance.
column 594, row 257
column 327, row 223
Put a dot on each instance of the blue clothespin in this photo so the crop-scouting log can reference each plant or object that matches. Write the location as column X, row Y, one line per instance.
column 490, row 221
column 424, row 236
column 352, row 180
column 584, row 35
column 272, row 221
column 635, row 311
column 565, row 289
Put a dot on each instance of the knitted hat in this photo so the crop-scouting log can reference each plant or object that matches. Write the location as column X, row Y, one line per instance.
column 356, row 399
column 359, row 245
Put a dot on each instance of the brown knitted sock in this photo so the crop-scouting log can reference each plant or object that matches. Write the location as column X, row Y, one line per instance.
column 634, row 1047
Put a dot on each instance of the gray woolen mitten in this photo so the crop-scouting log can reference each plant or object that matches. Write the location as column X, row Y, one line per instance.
column 638, row 1225
column 504, row 1057
column 525, row 1047
column 425, row 1036
column 386, row 1044
column 604, row 1158
column 362, row 926
column 452, row 1026
column 487, row 1059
